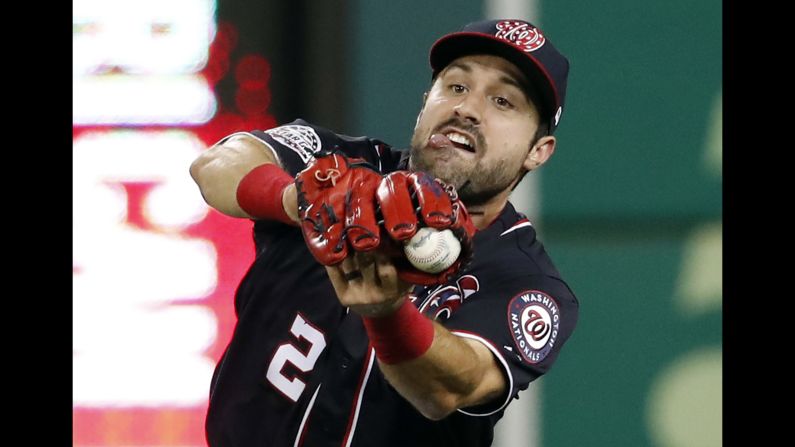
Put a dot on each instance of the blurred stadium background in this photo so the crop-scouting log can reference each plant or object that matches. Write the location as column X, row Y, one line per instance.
column 630, row 206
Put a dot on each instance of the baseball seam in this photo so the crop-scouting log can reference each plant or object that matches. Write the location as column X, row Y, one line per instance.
column 440, row 245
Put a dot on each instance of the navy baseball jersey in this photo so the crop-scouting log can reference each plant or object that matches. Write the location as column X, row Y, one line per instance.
column 299, row 369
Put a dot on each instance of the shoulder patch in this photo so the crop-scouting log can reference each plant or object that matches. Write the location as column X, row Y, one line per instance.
column 303, row 140
column 534, row 321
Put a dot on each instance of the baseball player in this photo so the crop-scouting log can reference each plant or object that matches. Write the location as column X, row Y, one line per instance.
column 339, row 341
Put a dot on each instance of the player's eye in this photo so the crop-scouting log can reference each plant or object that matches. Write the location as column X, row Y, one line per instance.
column 502, row 103
column 457, row 88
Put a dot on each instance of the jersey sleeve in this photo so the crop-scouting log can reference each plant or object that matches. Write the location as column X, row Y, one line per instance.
column 524, row 321
column 295, row 145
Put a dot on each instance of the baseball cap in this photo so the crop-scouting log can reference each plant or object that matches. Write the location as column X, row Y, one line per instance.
column 521, row 43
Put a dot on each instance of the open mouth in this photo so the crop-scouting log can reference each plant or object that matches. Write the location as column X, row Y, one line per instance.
column 460, row 141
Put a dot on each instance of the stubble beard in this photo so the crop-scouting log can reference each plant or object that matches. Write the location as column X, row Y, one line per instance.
column 476, row 181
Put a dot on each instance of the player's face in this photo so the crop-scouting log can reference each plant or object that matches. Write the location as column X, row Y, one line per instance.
column 476, row 127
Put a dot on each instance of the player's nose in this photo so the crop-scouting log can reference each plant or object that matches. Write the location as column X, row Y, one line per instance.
column 469, row 108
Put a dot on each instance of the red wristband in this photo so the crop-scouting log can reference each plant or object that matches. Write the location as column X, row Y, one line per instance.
column 259, row 193
column 401, row 336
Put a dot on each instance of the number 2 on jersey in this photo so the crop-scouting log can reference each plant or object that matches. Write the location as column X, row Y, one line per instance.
column 287, row 352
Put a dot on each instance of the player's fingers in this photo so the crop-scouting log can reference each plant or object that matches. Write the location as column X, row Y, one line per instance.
column 350, row 269
column 436, row 210
column 386, row 272
column 349, row 263
column 397, row 206
column 337, row 277
column 364, row 259
column 360, row 213
column 323, row 227
column 337, row 249
column 366, row 264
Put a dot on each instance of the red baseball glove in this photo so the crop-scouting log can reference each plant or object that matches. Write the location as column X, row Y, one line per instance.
column 336, row 197
column 410, row 200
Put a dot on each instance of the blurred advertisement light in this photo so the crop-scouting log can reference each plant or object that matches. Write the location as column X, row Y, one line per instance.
column 141, row 357
column 138, row 338
column 102, row 161
column 115, row 330
column 141, row 36
column 154, row 268
column 139, row 100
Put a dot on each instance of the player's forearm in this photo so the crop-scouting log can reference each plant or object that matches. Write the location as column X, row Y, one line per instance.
column 219, row 171
column 454, row 373
column 218, row 182
column 435, row 370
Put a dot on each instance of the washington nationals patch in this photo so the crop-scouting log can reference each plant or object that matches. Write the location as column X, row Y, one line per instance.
column 534, row 322
column 302, row 140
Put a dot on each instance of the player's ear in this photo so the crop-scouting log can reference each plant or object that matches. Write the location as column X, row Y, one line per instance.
column 540, row 152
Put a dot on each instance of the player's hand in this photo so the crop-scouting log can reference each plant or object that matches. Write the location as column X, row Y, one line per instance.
column 368, row 283
column 410, row 200
column 335, row 206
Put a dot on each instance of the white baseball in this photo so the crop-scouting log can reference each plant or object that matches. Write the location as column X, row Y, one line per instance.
column 431, row 250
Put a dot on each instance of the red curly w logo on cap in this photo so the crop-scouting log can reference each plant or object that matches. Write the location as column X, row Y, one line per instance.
column 521, row 34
